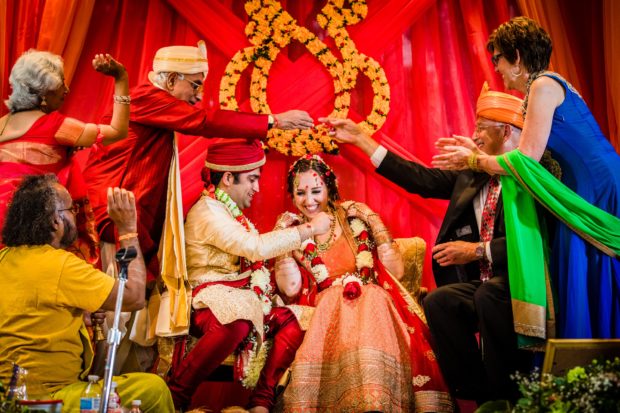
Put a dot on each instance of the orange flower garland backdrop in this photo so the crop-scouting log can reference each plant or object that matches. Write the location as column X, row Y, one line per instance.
column 271, row 28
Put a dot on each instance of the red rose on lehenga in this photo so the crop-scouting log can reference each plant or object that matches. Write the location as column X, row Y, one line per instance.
column 310, row 248
column 352, row 290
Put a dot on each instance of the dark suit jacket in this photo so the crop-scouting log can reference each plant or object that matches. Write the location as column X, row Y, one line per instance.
column 460, row 220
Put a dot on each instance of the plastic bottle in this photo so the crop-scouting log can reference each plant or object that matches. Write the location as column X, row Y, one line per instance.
column 114, row 402
column 17, row 385
column 90, row 400
column 135, row 406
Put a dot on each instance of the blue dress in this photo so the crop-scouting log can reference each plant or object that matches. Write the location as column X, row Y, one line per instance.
column 587, row 281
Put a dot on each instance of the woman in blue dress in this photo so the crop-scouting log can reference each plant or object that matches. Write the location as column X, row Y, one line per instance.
column 586, row 280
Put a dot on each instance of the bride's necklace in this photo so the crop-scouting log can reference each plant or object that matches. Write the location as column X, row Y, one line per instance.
column 324, row 246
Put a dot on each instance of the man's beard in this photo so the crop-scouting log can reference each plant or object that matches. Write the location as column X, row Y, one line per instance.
column 70, row 233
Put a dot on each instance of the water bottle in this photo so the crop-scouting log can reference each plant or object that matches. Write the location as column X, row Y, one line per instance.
column 135, row 406
column 90, row 400
column 17, row 385
column 114, row 402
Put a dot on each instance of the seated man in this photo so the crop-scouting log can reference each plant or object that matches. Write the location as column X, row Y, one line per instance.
column 47, row 289
column 232, row 288
column 469, row 258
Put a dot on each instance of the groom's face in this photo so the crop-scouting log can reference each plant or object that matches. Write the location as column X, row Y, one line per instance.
column 242, row 191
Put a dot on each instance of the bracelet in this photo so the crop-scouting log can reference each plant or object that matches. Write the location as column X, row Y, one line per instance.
column 129, row 235
column 123, row 100
column 472, row 162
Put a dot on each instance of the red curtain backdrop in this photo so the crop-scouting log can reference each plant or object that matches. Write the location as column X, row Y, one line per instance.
column 433, row 52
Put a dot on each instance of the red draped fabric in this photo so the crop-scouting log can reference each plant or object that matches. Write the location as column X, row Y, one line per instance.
column 433, row 53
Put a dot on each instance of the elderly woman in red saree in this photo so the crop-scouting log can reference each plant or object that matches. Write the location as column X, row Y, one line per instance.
column 36, row 139
column 366, row 346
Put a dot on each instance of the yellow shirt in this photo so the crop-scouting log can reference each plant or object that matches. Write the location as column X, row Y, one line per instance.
column 44, row 292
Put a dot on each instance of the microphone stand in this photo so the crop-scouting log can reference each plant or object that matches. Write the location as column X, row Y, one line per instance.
column 123, row 257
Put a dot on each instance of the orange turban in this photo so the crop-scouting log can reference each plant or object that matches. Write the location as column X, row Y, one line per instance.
column 500, row 107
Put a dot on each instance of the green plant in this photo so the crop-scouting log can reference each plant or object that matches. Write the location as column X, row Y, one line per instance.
column 591, row 389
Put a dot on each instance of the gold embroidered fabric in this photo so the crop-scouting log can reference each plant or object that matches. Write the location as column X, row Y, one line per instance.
column 433, row 401
column 303, row 313
column 229, row 304
column 354, row 357
column 32, row 153
column 69, row 132
column 214, row 241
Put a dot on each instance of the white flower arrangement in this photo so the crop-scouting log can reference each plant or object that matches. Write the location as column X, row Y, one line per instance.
column 357, row 226
column 351, row 278
column 261, row 279
column 254, row 365
column 305, row 243
column 364, row 259
column 320, row 272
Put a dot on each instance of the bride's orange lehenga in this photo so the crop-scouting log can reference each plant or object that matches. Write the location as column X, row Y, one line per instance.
column 367, row 354
column 46, row 148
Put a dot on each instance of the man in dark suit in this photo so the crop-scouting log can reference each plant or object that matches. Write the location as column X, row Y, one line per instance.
column 469, row 257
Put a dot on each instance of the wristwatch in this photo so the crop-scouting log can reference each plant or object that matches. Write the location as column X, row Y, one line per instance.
column 271, row 121
column 480, row 251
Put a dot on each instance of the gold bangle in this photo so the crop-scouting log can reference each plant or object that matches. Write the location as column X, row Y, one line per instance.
column 472, row 162
column 127, row 236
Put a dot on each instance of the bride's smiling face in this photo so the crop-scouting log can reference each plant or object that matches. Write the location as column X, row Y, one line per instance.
column 310, row 195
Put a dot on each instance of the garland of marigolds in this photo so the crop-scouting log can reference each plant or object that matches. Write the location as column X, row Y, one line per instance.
column 271, row 28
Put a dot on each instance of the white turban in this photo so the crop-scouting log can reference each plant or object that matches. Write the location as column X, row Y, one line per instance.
column 180, row 59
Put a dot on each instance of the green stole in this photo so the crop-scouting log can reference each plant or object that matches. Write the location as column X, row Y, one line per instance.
column 527, row 181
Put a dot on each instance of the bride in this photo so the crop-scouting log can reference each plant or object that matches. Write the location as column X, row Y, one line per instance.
column 367, row 345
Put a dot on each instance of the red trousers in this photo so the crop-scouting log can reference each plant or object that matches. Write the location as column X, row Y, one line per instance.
column 218, row 341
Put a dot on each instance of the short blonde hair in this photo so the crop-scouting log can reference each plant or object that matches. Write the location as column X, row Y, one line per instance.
column 33, row 75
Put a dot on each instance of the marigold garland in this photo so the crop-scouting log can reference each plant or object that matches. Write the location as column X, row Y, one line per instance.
column 271, row 28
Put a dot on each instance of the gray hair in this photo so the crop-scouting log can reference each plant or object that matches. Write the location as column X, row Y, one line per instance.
column 161, row 79
column 34, row 74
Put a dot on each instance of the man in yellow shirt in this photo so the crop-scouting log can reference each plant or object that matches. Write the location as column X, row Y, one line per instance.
column 46, row 290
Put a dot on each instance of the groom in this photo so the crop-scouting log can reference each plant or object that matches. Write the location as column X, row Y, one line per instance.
column 232, row 289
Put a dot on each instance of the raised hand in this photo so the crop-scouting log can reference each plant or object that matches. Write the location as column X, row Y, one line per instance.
column 294, row 119
column 320, row 223
column 122, row 210
column 106, row 64
column 360, row 210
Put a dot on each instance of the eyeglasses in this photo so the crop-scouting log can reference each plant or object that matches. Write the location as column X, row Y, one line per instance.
column 495, row 58
column 75, row 209
column 482, row 126
column 196, row 86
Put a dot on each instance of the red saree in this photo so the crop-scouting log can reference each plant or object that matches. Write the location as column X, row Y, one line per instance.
column 42, row 150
